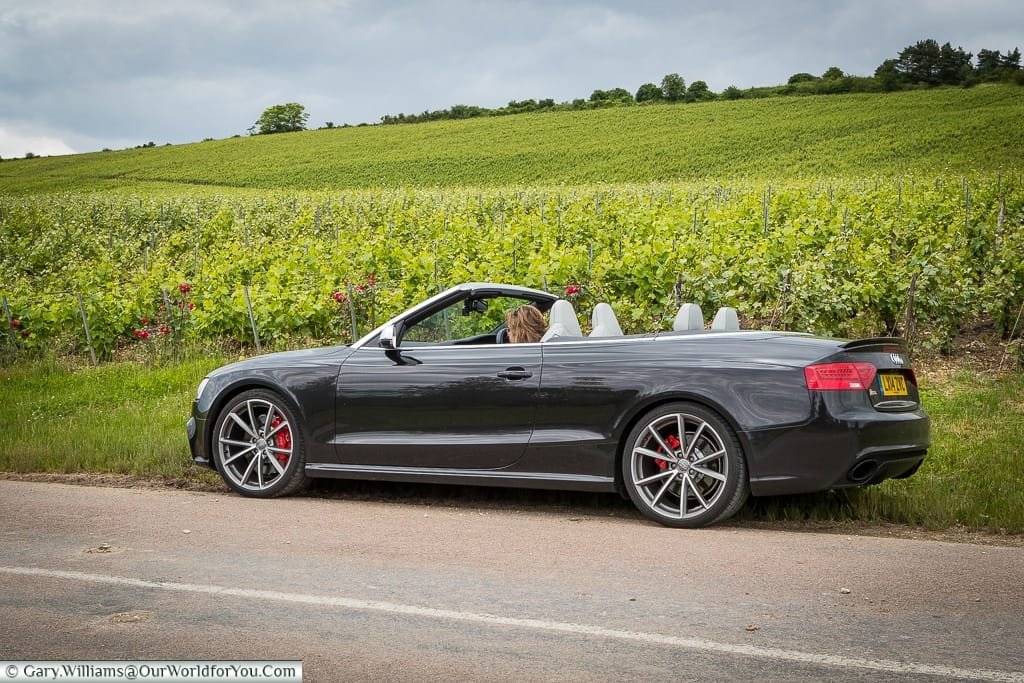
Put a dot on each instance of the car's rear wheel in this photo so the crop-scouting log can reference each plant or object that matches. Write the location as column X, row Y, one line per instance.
column 683, row 466
column 258, row 446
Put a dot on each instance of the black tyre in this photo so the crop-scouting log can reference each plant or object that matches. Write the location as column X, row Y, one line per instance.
column 683, row 467
column 258, row 446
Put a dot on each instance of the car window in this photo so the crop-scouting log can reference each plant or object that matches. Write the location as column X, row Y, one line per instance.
column 462, row 321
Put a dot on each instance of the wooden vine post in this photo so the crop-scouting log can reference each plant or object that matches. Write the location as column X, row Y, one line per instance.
column 88, row 333
column 909, row 321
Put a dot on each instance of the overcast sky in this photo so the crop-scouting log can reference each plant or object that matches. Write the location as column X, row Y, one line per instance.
column 81, row 75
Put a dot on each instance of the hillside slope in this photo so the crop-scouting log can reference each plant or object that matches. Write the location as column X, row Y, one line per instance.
column 929, row 131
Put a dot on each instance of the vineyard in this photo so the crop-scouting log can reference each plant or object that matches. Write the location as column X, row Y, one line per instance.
column 950, row 131
column 856, row 215
column 915, row 255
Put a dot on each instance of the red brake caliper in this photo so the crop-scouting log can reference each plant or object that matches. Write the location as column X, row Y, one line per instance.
column 672, row 442
column 283, row 440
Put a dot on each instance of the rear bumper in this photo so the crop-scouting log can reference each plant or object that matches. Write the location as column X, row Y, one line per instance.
column 845, row 444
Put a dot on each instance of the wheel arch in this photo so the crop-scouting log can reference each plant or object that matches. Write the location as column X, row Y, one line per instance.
column 236, row 389
column 654, row 403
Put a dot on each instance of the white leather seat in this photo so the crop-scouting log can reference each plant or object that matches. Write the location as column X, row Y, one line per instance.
column 726, row 319
column 562, row 321
column 689, row 317
column 604, row 323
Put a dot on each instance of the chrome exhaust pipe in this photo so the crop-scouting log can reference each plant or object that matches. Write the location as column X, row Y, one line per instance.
column 862, row 471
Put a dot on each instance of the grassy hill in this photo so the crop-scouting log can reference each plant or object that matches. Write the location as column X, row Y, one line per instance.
column 928, row 131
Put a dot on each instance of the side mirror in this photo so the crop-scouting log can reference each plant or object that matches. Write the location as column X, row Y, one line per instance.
column 387, row 338
column 389, row 343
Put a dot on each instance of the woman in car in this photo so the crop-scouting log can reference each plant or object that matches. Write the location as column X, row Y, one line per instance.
column 525, row 324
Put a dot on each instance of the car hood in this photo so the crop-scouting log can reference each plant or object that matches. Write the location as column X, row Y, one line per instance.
column 284, row 359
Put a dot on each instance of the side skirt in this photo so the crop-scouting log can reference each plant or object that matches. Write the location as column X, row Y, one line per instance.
column 432, row 475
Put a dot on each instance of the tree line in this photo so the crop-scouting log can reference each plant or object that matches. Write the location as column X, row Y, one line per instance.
column 923, row 64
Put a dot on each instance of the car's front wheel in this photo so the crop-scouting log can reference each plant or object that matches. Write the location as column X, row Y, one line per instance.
column 258, row 446
column 683, row 466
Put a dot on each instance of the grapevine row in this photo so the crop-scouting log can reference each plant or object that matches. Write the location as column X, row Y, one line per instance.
column 831, row 258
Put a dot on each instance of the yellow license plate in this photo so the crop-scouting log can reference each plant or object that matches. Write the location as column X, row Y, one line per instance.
column 893, row 385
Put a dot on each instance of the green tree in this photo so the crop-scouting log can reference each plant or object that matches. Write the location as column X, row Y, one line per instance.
column 281, row 118
column 954, row 65
column 802, row 77
column 612, row 96
column 732, row 93
column 989, row 62
column 926, row 62
column 832, row 73
column 648, row 92
column 888, row 74
column 620, row 95
column 699, row 91
column 920, row 62
column 673, row 87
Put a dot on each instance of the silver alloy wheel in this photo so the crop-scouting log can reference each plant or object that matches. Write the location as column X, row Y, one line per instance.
column 255, row 444
column 679, row 466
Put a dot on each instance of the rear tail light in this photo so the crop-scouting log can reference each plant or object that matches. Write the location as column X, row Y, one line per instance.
column 840, row 376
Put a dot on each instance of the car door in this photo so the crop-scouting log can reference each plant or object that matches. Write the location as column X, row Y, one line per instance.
column 463, row 402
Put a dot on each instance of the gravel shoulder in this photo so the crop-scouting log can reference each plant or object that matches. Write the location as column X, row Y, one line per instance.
column 555, row 502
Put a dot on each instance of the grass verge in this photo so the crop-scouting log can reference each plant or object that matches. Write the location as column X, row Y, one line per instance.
column 120, row 418
column 128, row 419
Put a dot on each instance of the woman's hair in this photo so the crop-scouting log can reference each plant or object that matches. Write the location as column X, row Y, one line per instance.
column 525, row 324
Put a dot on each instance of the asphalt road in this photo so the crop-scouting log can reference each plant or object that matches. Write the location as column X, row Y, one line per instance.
column 384, row 590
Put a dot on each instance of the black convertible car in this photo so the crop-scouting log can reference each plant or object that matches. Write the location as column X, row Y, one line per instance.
column 687, row 422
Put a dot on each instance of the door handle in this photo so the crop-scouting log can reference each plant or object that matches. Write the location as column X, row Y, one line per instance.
column 515, row 373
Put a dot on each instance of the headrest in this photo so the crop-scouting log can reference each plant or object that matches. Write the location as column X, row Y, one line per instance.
column 562, row 321
column 689, row 317
column 604, row 322
column 726, row 319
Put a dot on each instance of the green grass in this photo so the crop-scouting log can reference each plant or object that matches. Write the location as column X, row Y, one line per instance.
column 976, row 477
column 122, row 418
column 128, row 418
column 928, row 131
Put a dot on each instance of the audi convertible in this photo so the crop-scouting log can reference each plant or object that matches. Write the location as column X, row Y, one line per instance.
column 686, row 422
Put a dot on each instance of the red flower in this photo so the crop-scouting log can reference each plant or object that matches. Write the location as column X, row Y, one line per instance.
column 144, row 320
column 184, row 288
column 191, row 306
column 339, row 297
column 572, row 290
column 360, row 288
column 15, row 324
column 141, row 334
column 164, row 329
